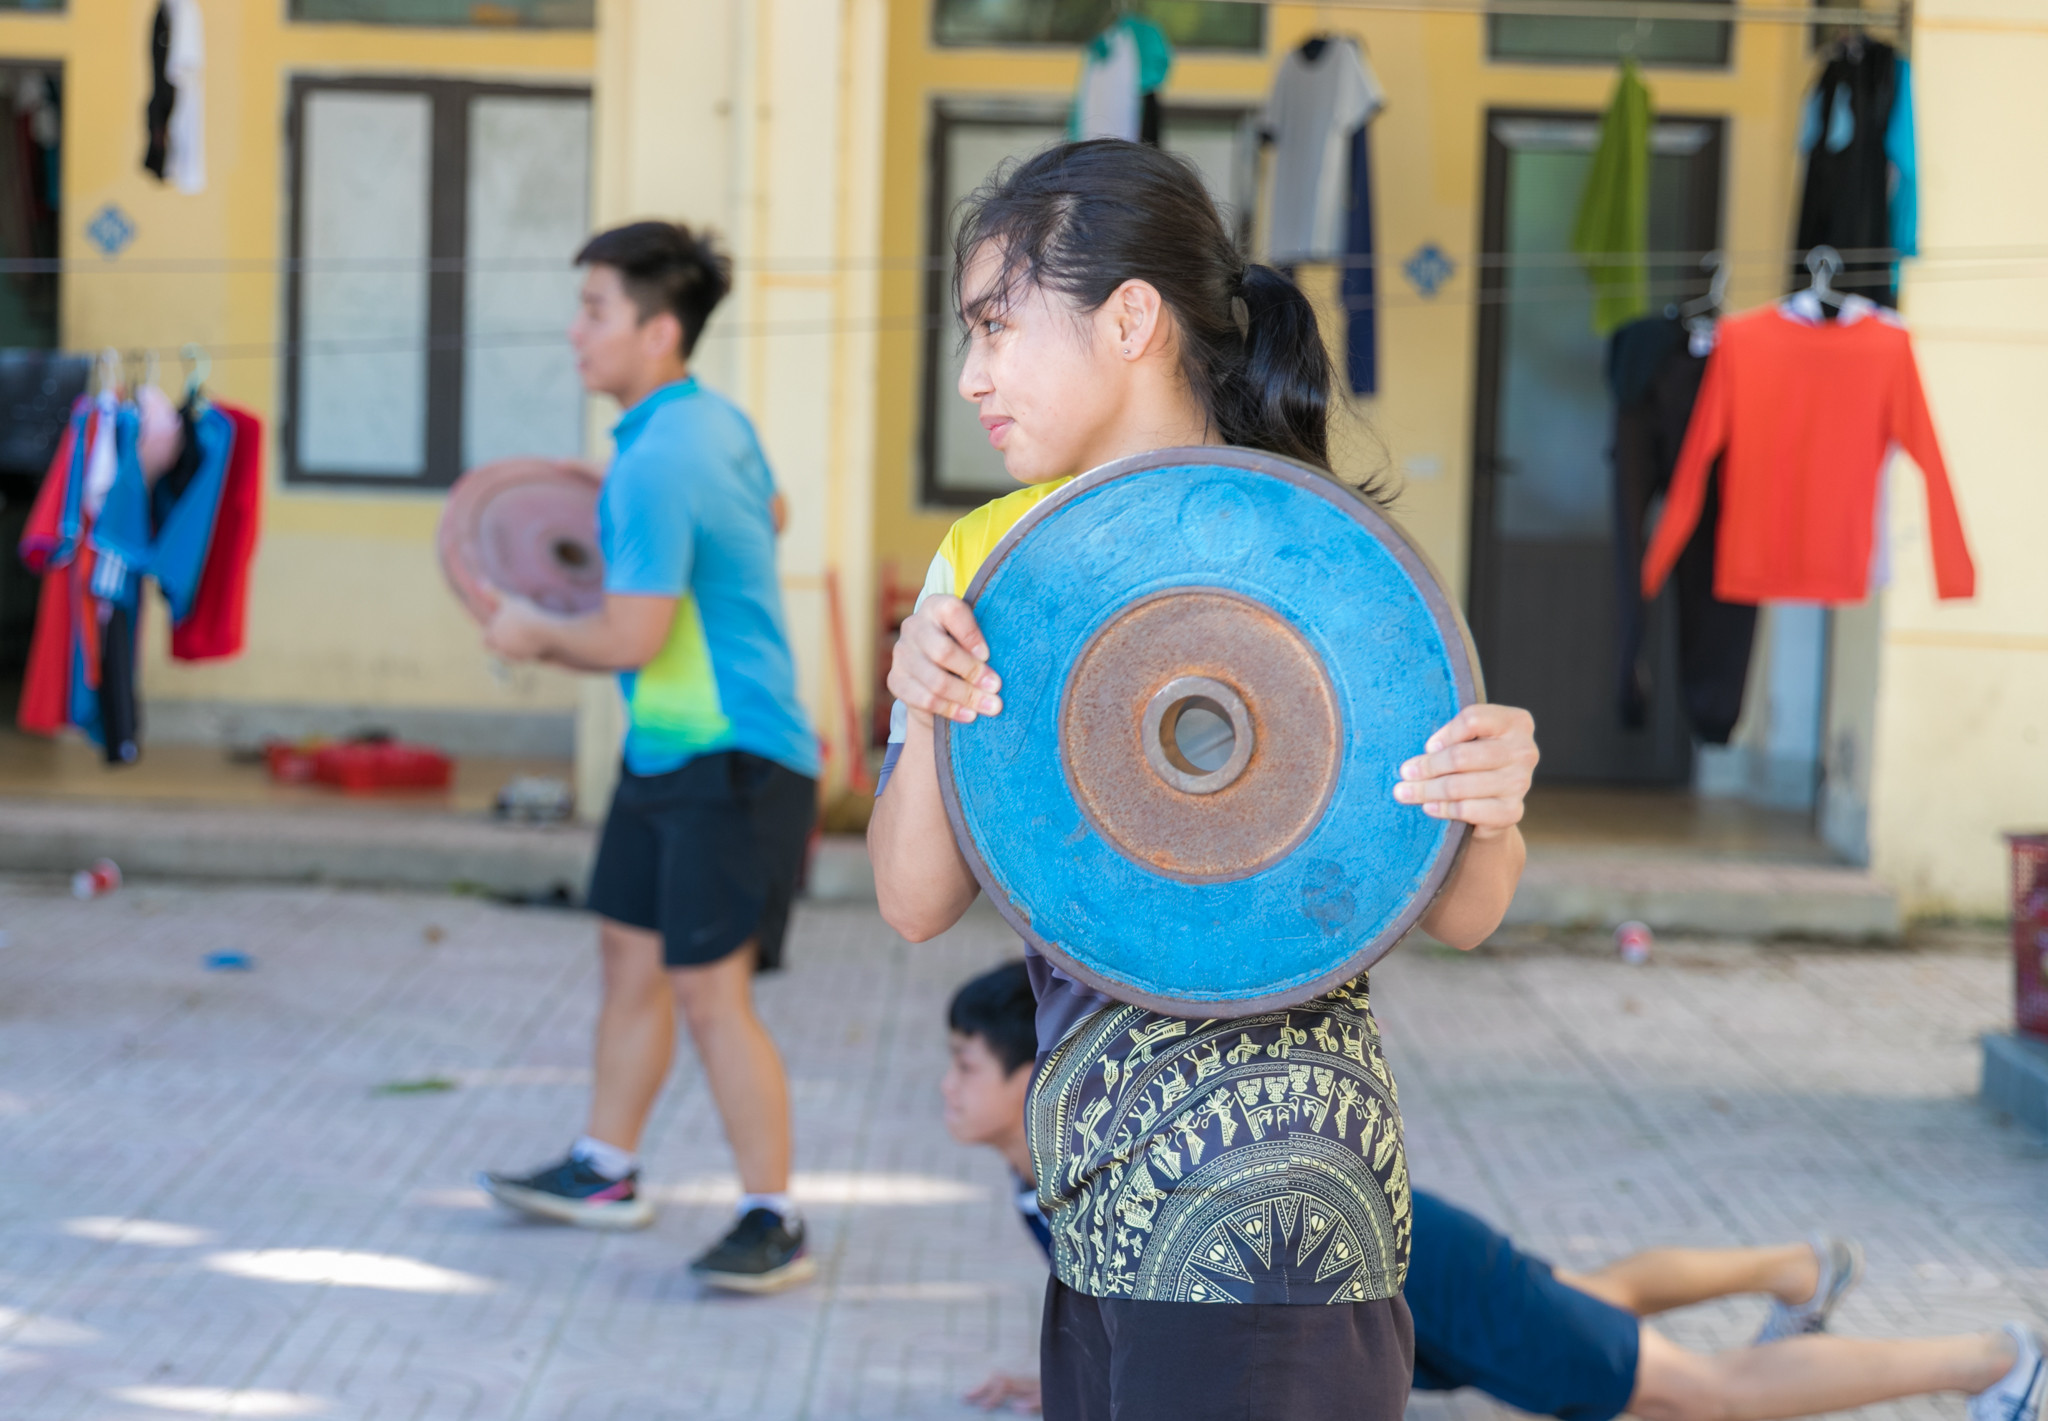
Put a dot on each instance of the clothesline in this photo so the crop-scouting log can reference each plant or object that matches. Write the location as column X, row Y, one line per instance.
column 1777, row 256
column 725, row 331
column 1709, row 10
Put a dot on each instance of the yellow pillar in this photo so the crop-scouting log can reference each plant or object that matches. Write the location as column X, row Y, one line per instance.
column 763, row 121
column 1961, row 727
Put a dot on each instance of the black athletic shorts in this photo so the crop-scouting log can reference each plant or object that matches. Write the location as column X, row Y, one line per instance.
column 709, row 855
column 1130, row 1360
column 1490, row 1316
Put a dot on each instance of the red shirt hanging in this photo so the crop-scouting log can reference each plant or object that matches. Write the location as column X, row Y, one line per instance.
column 45, row 704
column 1803, row 414
column 220, row 611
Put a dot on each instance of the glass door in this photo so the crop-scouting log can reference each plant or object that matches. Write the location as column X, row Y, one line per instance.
column 1543, row 602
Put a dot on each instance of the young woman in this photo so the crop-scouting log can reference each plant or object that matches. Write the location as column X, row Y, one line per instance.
column 1108, row 314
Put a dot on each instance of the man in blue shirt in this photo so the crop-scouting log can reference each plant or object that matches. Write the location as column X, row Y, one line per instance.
column 717, row 796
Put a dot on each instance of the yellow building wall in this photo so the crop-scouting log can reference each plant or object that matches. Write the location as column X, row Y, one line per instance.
column 347, row 604
column 761, row 118
column 1428, row 161
column 1962, row 701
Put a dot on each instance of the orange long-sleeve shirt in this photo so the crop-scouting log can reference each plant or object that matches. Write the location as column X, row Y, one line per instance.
column 1802, row 415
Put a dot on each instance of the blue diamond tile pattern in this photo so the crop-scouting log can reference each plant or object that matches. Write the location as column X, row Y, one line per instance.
column 1428, row 269
column 111, row 230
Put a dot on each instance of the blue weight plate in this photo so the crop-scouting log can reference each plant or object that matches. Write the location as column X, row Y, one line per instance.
column 1214, row 662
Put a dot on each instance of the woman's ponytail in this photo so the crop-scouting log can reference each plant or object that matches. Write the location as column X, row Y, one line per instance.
column 1276, row 395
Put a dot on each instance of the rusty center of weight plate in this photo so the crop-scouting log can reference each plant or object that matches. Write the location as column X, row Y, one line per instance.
column 1200, row 734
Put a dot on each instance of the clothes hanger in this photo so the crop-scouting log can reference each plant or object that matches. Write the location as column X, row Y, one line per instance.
column 133, row 361
column 1825, row 263
column 1312, row 48
column 1717, row 289
column 107, row 372
column 198, row 366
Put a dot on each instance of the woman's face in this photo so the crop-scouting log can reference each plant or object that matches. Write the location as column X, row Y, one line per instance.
column 1047, row 378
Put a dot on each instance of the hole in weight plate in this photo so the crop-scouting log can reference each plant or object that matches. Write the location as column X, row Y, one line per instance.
column 1200, row 738
column 571, row 554
column 1196, row 734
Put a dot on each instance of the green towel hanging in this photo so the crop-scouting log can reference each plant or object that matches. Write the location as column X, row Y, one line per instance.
column 1613, row 231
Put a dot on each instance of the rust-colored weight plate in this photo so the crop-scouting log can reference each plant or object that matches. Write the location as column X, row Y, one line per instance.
column 1214, row 663
column 528, row 527
column 1247, row 795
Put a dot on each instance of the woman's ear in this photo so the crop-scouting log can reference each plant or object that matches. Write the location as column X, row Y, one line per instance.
column 1138, row 318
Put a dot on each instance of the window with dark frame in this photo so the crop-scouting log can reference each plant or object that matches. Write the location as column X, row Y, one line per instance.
column 464, row 14
column 1597, row 39
column 1189, row 24
column 958, row 467
column 429, row 286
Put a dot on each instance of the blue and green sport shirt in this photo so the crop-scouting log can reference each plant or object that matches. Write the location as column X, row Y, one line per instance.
column 685, row 513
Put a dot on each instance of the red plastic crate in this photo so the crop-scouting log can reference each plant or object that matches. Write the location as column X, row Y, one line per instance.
column 366, row 766
column 289, row 762
column 2030, row 931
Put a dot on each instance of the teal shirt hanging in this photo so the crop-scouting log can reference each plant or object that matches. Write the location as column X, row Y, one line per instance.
column 1154, row 61
column 1899, row 147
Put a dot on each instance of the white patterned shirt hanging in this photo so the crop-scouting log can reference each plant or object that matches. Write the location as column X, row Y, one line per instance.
column 1315, row 107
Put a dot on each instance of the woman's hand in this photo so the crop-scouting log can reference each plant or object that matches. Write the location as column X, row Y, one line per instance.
column 1476, row 768
column 940, row 666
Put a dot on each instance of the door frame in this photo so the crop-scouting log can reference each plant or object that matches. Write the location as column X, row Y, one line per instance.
column 1710, row 179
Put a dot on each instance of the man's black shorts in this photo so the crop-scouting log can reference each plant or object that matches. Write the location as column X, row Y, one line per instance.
column 1490, row 1316
column 708, row 856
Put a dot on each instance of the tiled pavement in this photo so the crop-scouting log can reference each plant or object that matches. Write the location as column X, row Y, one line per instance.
column 207, row 1208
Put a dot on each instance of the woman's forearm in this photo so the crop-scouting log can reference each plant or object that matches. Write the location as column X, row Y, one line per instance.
column 1475, row 900
column 922, row 883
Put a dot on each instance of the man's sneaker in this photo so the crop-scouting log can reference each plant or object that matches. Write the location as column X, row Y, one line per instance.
column 764, row 1253
column 573, row 1193
column 2017, row 1395
column 1841, row 1265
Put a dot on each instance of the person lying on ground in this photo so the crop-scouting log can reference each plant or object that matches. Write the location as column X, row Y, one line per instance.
column 1571, row 1345
column 1491, row 1316
column 992, row 1026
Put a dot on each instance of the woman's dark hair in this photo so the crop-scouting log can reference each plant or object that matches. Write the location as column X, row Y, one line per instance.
column 998, row 1007
column 664, row 266
column 1081, row 219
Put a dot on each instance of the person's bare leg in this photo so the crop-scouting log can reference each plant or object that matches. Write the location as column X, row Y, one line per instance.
column 1806, row 1376
column 741, row 1065
column 1660, row 1279
column 636, row 1034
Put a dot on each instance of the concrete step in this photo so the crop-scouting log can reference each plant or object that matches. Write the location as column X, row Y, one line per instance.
column 351, row 843
column 1677, row 892
column 363, row 844
column 347, row 844
column 1590, row 888
column 2016, row 1078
